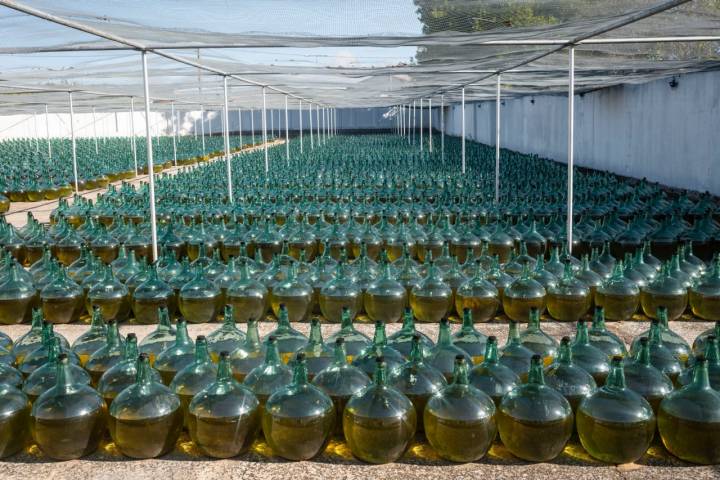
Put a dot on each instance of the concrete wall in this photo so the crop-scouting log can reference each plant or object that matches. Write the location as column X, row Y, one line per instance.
column 669, row 135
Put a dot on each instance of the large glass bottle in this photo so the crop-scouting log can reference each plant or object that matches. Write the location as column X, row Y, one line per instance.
column 442, row 355
column 298, row 419
column 535, row 339
column 199, row 299
column 194, row 377
column 646, row 380
column 602, row 338
column 121, row 375
column 248, row 355
column 491, row 376
column 459, row 420
column 44, row 377
column 177, row 355
column 689, row 419
column 402, row 339
column 385, row 298
column 107, row 355
column 671, row 340
column 432, row 298
column 470, row 339
column 294, row 294
column 535, row 421
column 615, row 424
column 338, row 293
column 661, row 357
column 379, row 422
column 379, row 348
column 569, row 299
column 712, row 354
column 586, row 356
column 149, row 296
column 14, row 420
column 39, row 355
column 571, row 381
column 17, row 298
column 618, row 295
column 288, row 339
column 417, row 379
column 269, row 376
column 224, row 417
column 32, row 339
column 110, row 295
column 340, row 380
column 68, row 421
column 479, row 295
column 664, row 291
column 318, row 355
column 248, row 296
column 146, row 418
column 705, row 294
column 62, row 299
column 522, row 295
column 355, row 342
column 514, row 354
column 92, row 339
column 159, row 339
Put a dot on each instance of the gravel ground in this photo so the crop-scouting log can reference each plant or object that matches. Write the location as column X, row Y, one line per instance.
column 337, row 462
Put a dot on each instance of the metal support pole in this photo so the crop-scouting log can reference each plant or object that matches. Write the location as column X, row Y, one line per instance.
column 287, row 133
column 74, row 150
column 272, row 123
column 47, row 131
column 240, row 126
column 430, row 133
column 463, row 130
column 174, row 133
column 151, row 173
column 312, row 141
column 209, row 123
column 301, row 126
column 413, row 121
column 228, row 158
column 95, row 130
column 571, row 147
column 497, row 141
column 202, row 128
column 133, row 144
column 317, row 117
column 252, row 124
column 264, row 131
column 421, row 124
column 442, row 127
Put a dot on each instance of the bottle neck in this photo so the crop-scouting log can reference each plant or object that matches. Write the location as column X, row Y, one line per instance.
column 491, row 352
column 182, row 337
column 535, row 375
column 444, row 337
column 581, row 335
column 315, row 335
column 565, row 353
column 252, row 336
column 143, row 376
column 300, row 373
column 616, row 377
column 201, row 351
column 380, row 377
column 272, row 355
column 64, row 380
column 460, row 373
column 229, row 318
column 379, row 338
column 467, row 323
column 339, row 354
column 701, row 377
column 224, row 371
column 598, row 322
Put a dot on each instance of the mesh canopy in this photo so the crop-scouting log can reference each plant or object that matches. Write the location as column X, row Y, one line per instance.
column 360, row 53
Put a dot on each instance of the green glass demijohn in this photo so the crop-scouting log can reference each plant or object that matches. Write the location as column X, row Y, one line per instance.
column 491, row 376
column 712, row 354
column 298, row 419
column 10, row 375
column 248, row 355
column 199, row 299
column 618, row 295
column 379, row 422
column 535, row 339
column 176, row 355
column 385, row 298
column 227, row 337
column 17, row 298
column 146, row 418
column 514, row 354
column 354, row 341
column 586, row 356
column 670, row 339
column 535, row 421
column 68, row 421
column 571, row 381
column 38, row 357
column 338, row 293
column 294, row 294
column 108, row 355
column 523, row 294
column 111, row 296
column 151, row 295
column 689, row 419
column 287, row 338
column 402, row 339
column 248, row 296
column 62, row 299
column 470, row 339
column 32, row 339
column 194, row 377
column 340, row 380
column 704, row 294
column 479, row 295
column 615, row 424
column 661, row 357
column 92, row 339
column 570, row 298
column 159, row 339
column 121, row 375
column 645, row 379
column 459, row 420
column 417, row 379
column 318, row 355
column 269, row 376
column 431, row 300
column 442, row 354
column 379, row 348
column 665, row 291
column 224, row 417
column 44, row 377
column 14, row 420
column 602, row 338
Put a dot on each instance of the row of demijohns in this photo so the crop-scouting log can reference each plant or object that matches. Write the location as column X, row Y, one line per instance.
column 463, row 391
column 94, row 266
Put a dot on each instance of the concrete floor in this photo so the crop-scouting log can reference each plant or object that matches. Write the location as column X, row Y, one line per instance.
column 337, row 462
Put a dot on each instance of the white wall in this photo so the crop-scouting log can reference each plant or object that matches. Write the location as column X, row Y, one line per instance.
column 669, row 135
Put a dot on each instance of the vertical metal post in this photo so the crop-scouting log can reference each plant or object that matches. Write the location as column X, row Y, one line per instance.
column 226, row 124
column 240, row 126
column 413, row 121
column 174, row 132
column 252, row 124
column 210, row 123
column 421, row 124
column 430, row 133
column 74, row 150
column 287, row 133
column 301, row 126
column 47, row 130
column 317, row 117
column 571, row 147
column 497, row 140
column 463, row 129
column 272, row 123
column 132, row 135
column 95, row 130
column 151, row 173
column 264, row 131
column 312, row 142
column 442, row 127
column 202, row 128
